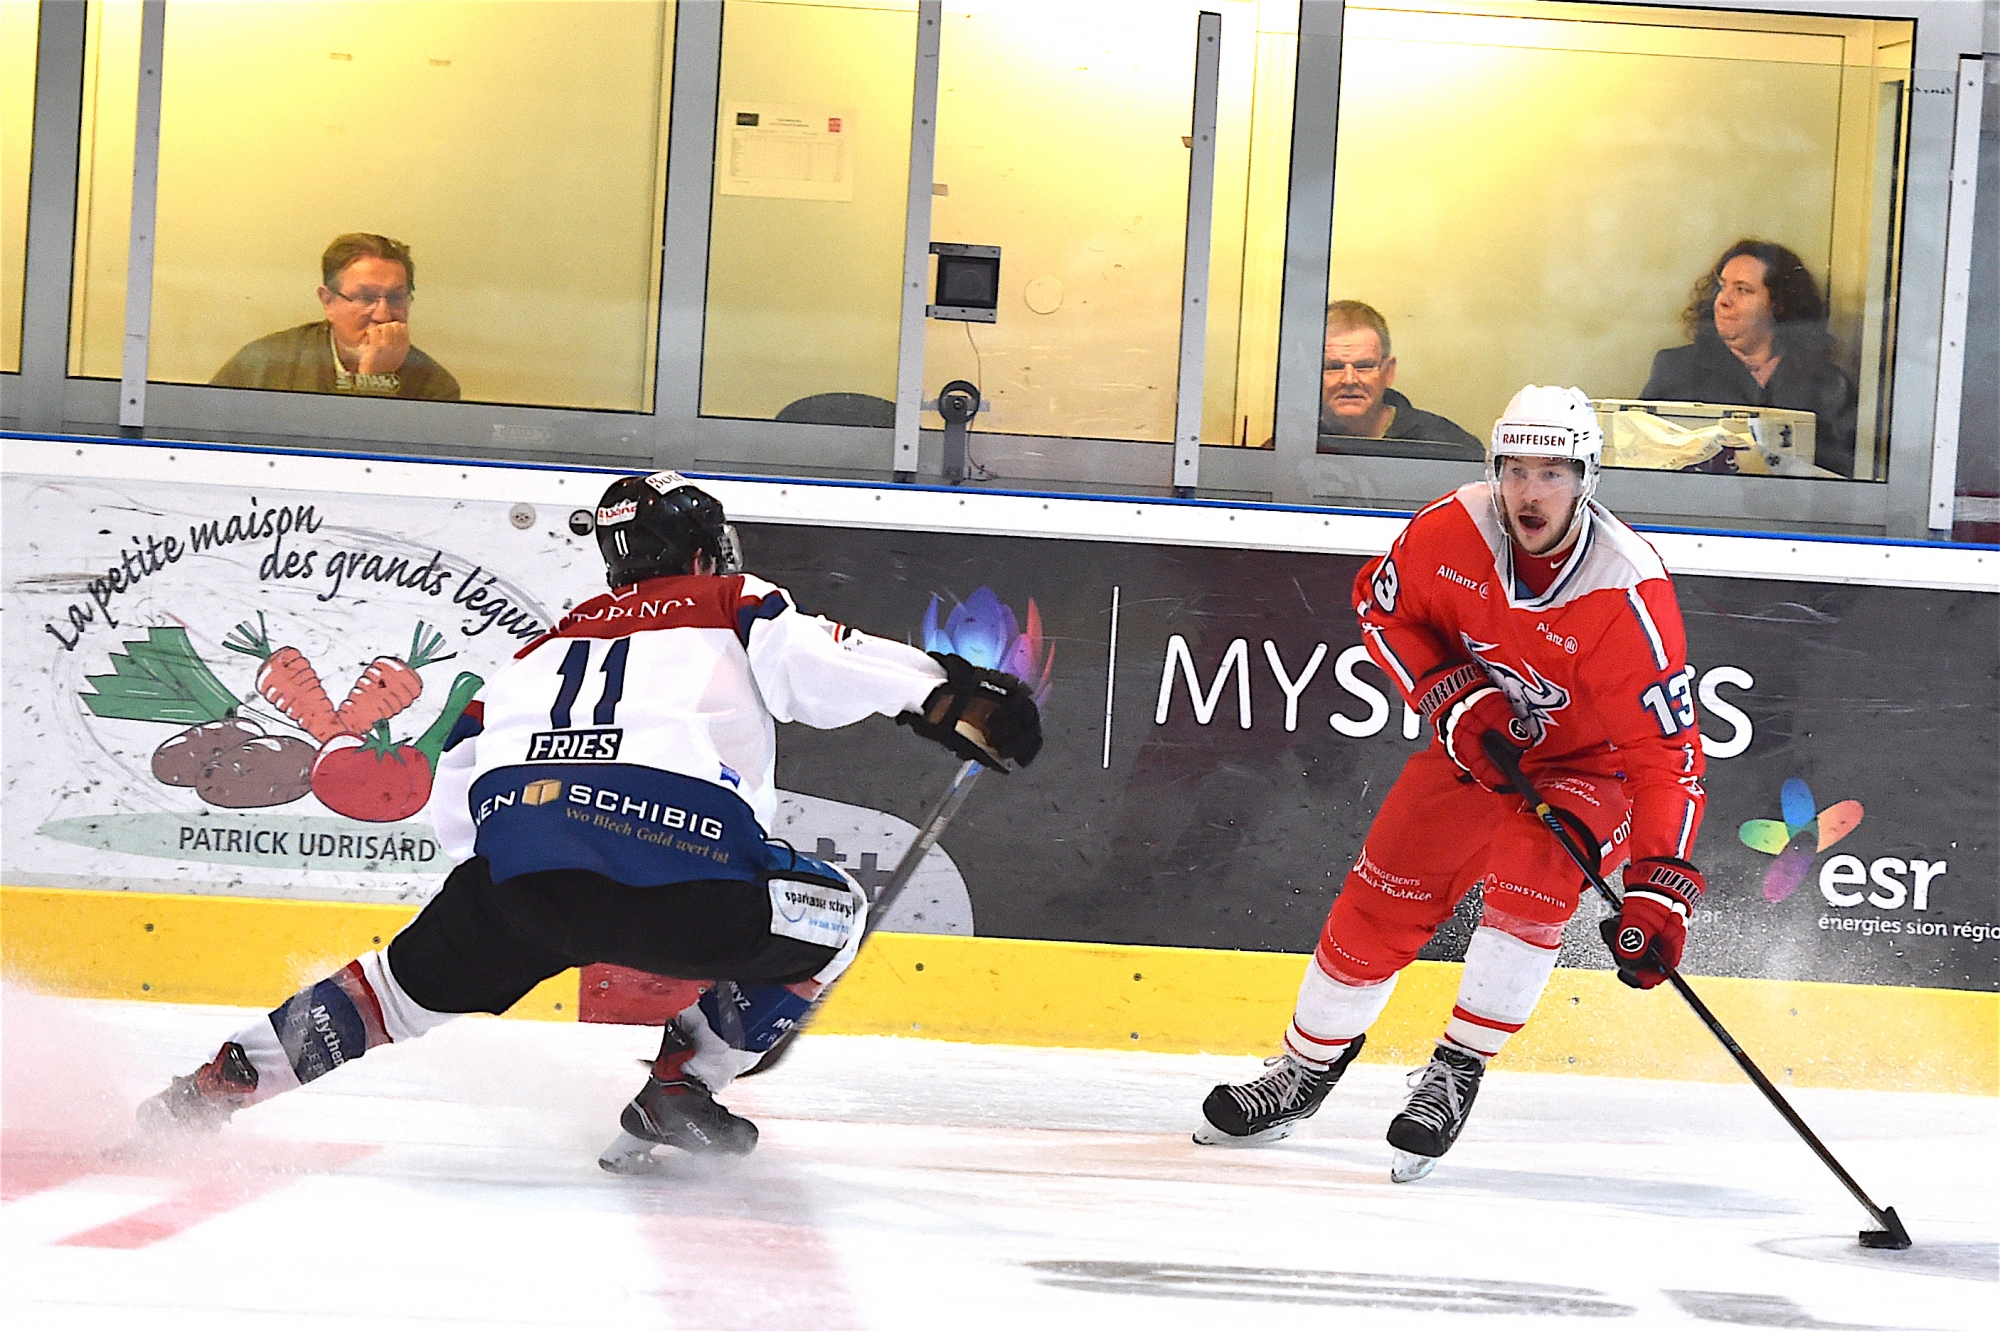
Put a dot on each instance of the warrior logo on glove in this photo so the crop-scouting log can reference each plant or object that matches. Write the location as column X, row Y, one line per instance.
column 1650, row 930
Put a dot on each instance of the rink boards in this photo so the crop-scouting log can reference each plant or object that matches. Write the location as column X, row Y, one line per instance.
column 223, row 950
column 1217, row 743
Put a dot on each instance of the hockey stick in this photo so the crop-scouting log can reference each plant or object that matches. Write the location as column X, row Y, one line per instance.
column 961, row 786
column 1892, row 1235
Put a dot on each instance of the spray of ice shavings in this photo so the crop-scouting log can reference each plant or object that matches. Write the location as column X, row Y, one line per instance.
column 983, row 630
column 59, row 1073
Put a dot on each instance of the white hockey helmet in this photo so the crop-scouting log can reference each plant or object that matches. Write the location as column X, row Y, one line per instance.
column 1547, row 422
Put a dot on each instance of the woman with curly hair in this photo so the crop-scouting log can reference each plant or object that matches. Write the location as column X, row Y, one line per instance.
column 1758, row 338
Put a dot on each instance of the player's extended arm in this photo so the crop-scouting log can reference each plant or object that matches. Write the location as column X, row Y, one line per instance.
column 810, row 669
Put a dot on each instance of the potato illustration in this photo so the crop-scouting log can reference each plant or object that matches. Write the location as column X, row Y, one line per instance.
column 263, row 770
column 183, row 758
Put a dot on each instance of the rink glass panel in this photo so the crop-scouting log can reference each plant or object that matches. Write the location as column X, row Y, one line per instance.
column 19, row 25
column 519, row 149
column 1060, row 139
column 812, row 156
column 1563, row 173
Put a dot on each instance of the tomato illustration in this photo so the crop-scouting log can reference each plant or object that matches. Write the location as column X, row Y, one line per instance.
column 377, row 780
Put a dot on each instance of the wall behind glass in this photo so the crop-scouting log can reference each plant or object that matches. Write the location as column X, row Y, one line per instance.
column 812, row 160
column 519, row 149
column 1529, row 197
column 20, row 22
column 1062, row 139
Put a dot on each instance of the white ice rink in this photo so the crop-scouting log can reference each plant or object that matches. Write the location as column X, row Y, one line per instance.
column 452, row 1183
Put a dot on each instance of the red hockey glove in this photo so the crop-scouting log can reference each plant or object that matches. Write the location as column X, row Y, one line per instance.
column 1462, row 705
column 1651, row 928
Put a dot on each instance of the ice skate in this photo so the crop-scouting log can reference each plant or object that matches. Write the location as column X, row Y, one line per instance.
column 204, row 1099
column 678, row 1113
column 1428, row 1124
column 674, row 1109
column 1265, row 1108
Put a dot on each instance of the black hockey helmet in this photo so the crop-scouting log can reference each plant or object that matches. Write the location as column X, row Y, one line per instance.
column 654, row 526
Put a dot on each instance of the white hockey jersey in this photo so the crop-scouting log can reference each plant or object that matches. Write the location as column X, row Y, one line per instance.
column 636, row 738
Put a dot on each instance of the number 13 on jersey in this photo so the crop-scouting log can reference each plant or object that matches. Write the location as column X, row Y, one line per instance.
column 1671, row 702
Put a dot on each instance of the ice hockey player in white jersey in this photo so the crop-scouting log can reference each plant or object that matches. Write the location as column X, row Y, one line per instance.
column 608, row 797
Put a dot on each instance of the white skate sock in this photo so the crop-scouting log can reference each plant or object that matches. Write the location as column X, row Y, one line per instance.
column 1330, row 1014
column 1503, row 980
column 274, row 1067
column 402, row 1017
column 715, row 1062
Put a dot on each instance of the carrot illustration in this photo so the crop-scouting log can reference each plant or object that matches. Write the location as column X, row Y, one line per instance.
column 288, row 680
column 390, row 684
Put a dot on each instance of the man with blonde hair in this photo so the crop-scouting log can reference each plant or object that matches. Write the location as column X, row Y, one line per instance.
column 1358, row 399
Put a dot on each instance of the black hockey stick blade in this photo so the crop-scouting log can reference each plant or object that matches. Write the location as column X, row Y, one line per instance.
column 1891, row 1236
column 954, row 796
column 1507, row 758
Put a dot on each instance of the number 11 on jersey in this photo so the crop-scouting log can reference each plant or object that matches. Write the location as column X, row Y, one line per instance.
column 575, row 665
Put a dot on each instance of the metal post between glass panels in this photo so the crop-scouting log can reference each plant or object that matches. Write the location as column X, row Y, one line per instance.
column 916, row 242
column 1957, row 292
column 145, row 212
column 1194, row 272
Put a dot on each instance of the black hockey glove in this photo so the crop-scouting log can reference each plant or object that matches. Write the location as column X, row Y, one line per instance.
column 1650, row 929
column 987, row 716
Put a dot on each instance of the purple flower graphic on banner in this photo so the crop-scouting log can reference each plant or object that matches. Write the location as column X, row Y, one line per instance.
column 983, row 630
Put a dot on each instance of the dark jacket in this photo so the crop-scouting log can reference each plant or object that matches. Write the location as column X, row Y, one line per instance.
column 301, row 360
column 1433, row 435
column 1707, row 371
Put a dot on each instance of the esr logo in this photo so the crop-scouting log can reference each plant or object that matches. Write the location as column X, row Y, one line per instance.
column 1842, row 878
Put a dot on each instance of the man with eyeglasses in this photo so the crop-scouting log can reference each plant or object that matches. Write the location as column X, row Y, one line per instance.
column 1358, row 399
column 363, row 344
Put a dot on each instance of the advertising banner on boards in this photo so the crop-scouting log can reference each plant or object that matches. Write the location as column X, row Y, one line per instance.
column 189, row 669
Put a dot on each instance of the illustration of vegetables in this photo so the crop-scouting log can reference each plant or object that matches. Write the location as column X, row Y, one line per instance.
column 227, row 759
column 390, row 684
column 181, row 759
column 380, row 780
column 288, row 680
column 262, row 771
column 161, row 679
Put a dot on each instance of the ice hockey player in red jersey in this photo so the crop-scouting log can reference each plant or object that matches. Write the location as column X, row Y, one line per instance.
column 607, row 797
column 1514, row 605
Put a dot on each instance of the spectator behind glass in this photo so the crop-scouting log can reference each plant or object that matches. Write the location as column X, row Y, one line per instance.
column 363, row 344
column 1357, row 398
column 1759, row 339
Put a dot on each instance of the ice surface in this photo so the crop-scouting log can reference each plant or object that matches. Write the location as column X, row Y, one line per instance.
column 453, row 1183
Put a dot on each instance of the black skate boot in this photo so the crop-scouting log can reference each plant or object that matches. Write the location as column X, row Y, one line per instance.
column 205, row 1098
column 1428, row 1124
column 673, row 1109
column 1265, row 1108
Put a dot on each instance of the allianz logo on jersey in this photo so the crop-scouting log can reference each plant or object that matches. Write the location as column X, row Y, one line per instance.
column 600, row 743
column 602, row 800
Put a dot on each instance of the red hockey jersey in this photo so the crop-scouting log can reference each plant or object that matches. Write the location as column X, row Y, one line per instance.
column 1596, row 665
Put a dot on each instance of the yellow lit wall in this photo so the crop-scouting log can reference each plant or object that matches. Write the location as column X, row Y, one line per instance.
column 1531, row 199
column 519, row 148
column 1060, row 139
column 804, row 294
column 19, row 24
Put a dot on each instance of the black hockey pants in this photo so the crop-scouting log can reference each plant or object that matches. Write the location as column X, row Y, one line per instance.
column 479, row 946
